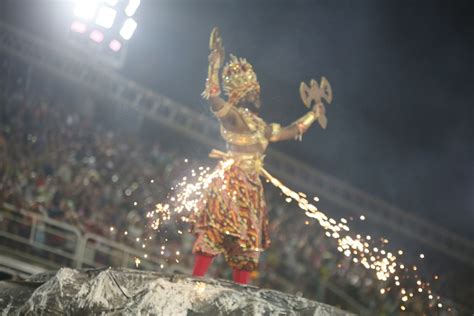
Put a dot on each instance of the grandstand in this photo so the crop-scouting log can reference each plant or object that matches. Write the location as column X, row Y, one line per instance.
column 49, row 220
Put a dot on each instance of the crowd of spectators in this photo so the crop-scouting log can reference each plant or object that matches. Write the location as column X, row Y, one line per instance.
column 66, row 166
column 62, row 165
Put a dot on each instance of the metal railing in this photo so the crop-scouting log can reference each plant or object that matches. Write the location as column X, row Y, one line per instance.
column 49, row 243
column 84, row 72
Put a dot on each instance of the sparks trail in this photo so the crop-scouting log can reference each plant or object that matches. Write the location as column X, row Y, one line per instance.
column 394, row 275
column 180, row 202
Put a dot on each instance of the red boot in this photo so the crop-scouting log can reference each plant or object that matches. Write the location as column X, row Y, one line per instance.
column 241, row 276
column 201, row 264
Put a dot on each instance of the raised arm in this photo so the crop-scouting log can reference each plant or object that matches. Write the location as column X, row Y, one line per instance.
column 224, row 111
column 295, row 130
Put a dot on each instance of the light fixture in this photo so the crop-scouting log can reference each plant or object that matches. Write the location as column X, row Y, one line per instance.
column 103, row 28
column 78, row 27
column 106, row 17
column 112, row 3
column 97, row 36
column 115, row 45
column 85, row 9
column 128, row 28
column 132, row 7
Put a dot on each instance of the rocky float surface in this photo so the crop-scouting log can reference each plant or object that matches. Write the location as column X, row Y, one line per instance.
column 134, row 292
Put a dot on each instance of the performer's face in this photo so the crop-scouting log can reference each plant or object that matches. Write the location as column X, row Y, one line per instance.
column 251, row 101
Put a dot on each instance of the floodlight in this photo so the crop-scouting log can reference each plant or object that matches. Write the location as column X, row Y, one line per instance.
column 97, row 36
column 128, row 28
column 78, row 27
column 112, row 3
column 115, row 45
column 85, row 9
column 103, row 28
column 106, row 17
column 132, row 7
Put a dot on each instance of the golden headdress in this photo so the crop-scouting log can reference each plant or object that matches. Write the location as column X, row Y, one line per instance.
column 238, row 79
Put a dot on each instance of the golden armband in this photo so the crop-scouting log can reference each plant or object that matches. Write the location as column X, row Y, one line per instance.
column 304, row 122
column 275, row 131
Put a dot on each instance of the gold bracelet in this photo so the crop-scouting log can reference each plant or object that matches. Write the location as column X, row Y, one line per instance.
column 306, row 120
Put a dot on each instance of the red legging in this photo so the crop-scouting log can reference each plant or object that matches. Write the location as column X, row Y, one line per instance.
column 202, row 263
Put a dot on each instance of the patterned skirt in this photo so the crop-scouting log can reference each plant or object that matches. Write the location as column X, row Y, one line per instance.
column 231, row 218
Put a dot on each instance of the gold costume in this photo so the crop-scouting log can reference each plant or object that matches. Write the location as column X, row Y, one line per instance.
column 231, row 217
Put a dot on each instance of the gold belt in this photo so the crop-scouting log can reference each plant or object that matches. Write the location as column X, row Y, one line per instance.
column 255, row 164
column 247, row 161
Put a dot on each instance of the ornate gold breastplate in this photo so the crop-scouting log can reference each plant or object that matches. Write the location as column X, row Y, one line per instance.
column 255, row 134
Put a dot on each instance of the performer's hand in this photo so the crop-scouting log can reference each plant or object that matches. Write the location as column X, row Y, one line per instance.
column 302, row 128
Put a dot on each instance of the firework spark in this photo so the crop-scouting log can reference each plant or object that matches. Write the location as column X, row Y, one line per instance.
column 366, row 251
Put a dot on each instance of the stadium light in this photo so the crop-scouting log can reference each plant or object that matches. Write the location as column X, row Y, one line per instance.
column 132, row 7
column 97, row 36
column 115, row 45
column 108, row 24
column 128, row 28
column 112, row 3
column 106, row 17
column 78, row 27
column 85, row 9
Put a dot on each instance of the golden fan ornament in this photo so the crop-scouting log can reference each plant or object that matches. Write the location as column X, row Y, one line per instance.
column 313, row 95
column 215, row 44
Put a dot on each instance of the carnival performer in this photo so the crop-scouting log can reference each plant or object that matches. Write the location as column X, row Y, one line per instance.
column 231, row 218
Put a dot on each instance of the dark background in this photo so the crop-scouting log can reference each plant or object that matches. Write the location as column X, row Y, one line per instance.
column 400, row 126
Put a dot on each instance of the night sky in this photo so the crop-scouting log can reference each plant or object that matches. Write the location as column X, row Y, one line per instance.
column 402, row 72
